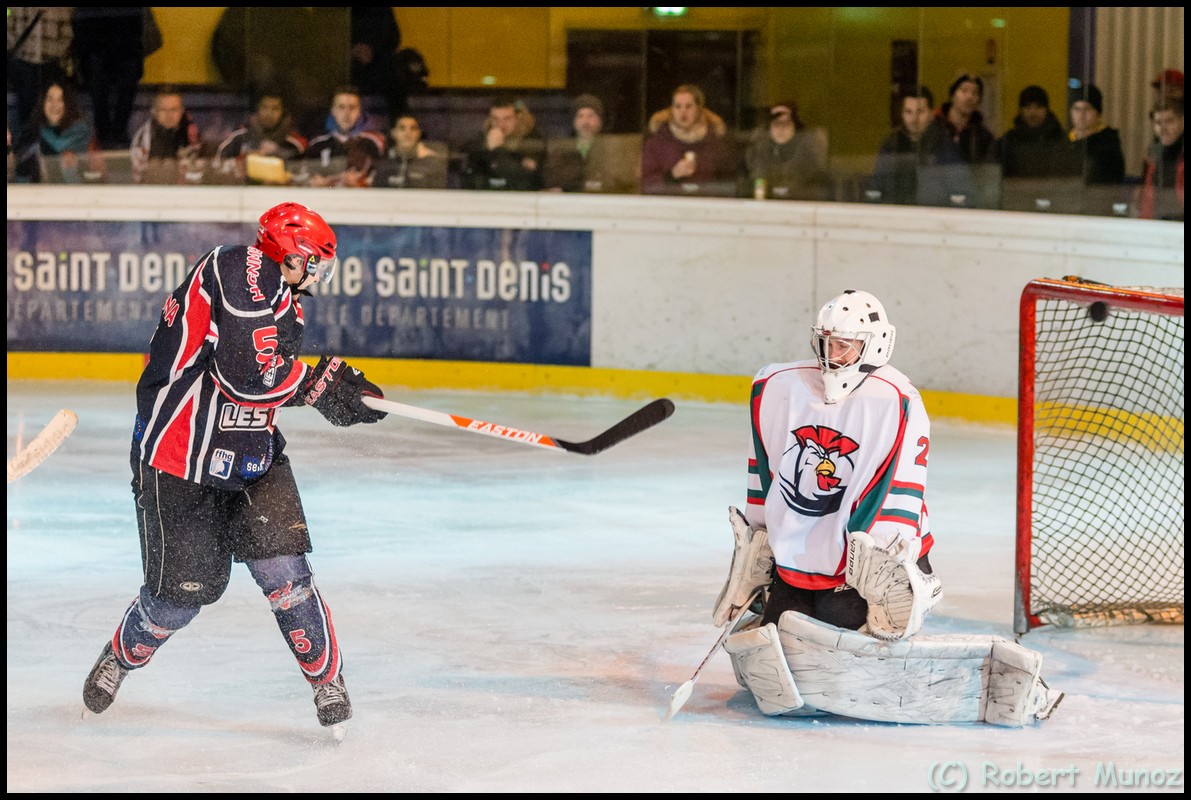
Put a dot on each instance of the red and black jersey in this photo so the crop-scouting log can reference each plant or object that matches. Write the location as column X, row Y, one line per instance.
column 222, row 361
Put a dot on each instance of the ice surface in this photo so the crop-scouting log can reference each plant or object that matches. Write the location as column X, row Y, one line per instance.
column 515, row 619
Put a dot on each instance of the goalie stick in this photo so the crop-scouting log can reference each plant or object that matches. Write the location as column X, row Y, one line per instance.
column 42, row 445
column 643, row 418
column 684, row 692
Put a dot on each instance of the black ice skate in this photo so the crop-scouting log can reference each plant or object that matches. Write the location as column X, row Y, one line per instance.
column 333, row 704
column 99, row 690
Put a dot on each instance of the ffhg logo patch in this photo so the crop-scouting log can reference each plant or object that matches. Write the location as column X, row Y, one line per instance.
column 221, row 463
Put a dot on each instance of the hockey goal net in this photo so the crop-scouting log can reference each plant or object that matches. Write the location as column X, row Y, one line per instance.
column 1100, row 455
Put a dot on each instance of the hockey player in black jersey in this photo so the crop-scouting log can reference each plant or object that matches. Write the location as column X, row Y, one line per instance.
column 211, row 480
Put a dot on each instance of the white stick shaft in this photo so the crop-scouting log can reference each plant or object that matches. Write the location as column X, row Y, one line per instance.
column 42, row 445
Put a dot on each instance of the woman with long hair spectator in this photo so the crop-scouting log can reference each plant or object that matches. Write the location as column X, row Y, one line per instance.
column 54, row 145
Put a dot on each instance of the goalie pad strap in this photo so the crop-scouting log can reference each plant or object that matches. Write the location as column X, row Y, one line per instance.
column 925, row 680
column 761, row 666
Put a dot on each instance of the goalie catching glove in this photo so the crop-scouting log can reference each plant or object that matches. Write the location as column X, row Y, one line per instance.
column 337, row 391
column 899, row 594
column 751, row 570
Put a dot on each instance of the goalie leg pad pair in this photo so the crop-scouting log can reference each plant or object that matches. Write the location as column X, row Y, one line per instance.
column 899, row 594
column 926, row 680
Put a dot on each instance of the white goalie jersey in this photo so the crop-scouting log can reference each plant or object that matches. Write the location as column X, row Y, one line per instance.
column 819, row 470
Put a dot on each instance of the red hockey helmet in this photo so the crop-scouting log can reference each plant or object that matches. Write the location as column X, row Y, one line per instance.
column 291, row 229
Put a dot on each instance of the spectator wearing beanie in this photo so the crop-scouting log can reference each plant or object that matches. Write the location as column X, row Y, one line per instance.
column 587, row 161
column 1035, row 145
column 961, row 118
column 1096, row 154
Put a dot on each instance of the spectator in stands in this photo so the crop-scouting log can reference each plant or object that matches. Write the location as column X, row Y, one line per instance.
column 57, row 144
column 347, row 152
column 109, row 44
column 1161, row 191
column 686, row 150
column 588, row 161
column 918, row 163
column 1097, row 152
column 1168, row 85
column 167, row 141
column 301, row 51
column 409, row 162
column 787, row 160
column 508, row 154
column 1035, row 146
column 379, row 65
column 964, row 124
column 38, row 48
column 268, row 132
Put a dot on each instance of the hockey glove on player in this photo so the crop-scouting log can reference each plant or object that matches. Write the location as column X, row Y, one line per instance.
column 337, row 391
column 899, row 594
column 751, row 570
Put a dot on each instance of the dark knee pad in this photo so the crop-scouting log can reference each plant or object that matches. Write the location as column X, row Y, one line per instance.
column 162, row 613
column 194, row 593
column 272, row 574
column 147, row 624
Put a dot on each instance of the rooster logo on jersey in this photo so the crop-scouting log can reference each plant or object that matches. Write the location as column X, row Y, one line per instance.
column 822, row 470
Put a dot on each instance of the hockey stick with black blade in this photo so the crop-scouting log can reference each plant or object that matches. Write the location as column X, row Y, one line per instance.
column 684, row 692
column 42, row 445
column 642, row 419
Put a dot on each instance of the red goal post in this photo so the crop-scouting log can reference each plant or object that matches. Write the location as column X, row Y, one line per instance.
column 1100, row 509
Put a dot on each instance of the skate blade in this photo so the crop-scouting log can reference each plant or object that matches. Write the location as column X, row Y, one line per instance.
column 339, row 731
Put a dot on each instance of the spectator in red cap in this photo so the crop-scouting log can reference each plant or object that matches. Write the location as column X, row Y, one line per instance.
column 1161, row 191
column 1168, row 85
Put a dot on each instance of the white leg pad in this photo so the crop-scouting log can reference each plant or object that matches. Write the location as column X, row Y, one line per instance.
column 761, row 668
column 1017, row 695
column 923, row 680
column 747, row 622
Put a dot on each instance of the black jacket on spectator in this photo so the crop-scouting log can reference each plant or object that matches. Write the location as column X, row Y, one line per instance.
column 1039, row 152
column 1099, row 157
column 516, row 165
column 926, row 172
column 975, row 142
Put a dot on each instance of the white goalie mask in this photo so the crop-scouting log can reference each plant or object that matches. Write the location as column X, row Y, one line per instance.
column 851, row 337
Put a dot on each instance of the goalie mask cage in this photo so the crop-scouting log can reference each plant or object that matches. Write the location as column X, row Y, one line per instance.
column 1099, row 456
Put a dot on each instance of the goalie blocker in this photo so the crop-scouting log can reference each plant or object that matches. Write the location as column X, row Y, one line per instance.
column 802, row 666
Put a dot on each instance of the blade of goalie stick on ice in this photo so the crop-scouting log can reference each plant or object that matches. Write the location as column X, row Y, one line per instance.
column 684, row 692
column 42, row 445
column 640, row 420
